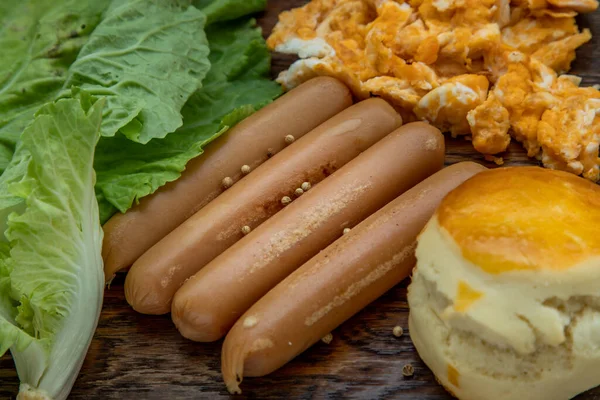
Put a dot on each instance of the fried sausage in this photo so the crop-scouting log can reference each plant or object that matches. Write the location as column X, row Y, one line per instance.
column 251, row 142
column 157, row 274
column 210, row 302
column 335, row 284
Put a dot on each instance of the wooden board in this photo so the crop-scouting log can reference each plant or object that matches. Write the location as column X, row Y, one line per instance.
column 143, row 357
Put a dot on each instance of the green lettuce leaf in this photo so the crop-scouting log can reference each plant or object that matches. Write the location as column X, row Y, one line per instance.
column 9, row 202
column 51, row 277
column 146, row 74
column 227, row 10
column 237, row 85
column 39, row 40
column 146, row 57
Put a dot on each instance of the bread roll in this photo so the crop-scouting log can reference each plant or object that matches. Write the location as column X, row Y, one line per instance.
column 505, row 298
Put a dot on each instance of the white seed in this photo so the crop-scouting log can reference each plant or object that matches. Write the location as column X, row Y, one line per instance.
column 346, row 231
column 289, row 139
column 299, row 192
column 285, row 200
column 327, row 338
column 398, row 331
column 408, row 370
column 227, row 182
column 305, row 186
column 270, row 152
column 245, row 169
column 246, row 229
column 250, row 321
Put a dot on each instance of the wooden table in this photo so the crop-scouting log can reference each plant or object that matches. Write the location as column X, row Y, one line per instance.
column 143, row 357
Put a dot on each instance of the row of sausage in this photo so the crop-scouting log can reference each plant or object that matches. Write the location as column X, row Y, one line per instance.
column 286, row 226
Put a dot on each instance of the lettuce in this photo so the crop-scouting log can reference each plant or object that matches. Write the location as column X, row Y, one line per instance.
column 227, row 10
column 39, row 40
column 51, row 278
column 146, row 57
column 237, row 85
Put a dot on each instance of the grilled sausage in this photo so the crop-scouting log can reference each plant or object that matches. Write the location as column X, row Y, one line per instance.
column 251, row 142
column 210, row 302
column 157, row 274
column 337, row 283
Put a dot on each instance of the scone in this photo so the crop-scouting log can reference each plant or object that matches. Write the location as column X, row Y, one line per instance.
column 505, row 298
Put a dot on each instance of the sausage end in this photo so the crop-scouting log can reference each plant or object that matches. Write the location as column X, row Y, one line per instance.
column 143, row 296
column 111, row 246
column 232, row 365
column 192, row 322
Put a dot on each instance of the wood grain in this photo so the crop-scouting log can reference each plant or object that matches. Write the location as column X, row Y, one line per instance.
column 143, row 357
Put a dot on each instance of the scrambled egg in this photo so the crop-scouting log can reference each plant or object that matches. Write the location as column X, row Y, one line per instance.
column 447, row 106
column 484, row 68
column 552, row 117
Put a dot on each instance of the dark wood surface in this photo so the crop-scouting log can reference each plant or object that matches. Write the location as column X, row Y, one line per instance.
column 143, row 357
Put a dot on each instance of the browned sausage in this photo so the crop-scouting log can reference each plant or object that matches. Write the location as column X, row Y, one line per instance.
column 157, row 274
column 210, row 302
column 127, row 236
column 335, row 284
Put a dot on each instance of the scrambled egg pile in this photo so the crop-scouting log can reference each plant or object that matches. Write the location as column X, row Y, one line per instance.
column 485, row 68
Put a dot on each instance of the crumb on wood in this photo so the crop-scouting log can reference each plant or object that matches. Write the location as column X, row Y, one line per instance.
column 398, row 331
column 494, row 159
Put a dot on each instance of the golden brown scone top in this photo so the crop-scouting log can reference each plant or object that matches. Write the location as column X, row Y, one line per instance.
column 524, row 218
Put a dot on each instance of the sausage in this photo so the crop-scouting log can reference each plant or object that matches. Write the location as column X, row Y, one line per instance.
column 210, row 302
column 157, row 274
column 127, row 236
column 337, row 283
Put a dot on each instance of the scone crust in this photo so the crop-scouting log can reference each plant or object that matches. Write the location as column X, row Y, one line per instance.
column 524, row 218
